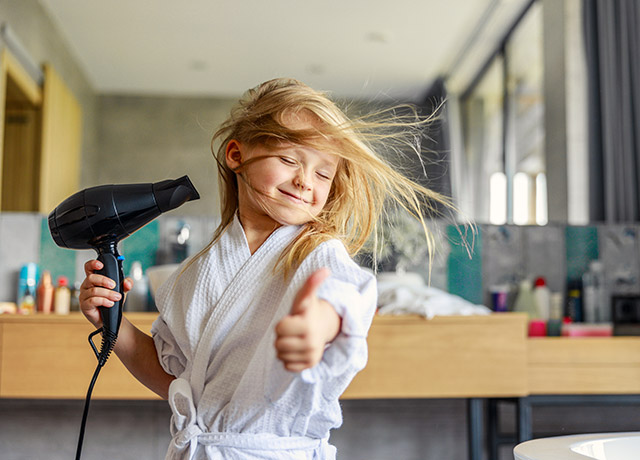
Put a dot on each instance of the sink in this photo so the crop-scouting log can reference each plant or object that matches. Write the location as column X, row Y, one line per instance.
column 597, row 446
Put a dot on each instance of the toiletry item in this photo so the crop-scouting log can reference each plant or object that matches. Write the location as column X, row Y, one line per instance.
column 525, row 302
column 556, row 309
column 74, row 304
column 28, row 304
column 566, row 324
column 574, row 309
column 28, row 279
column 44, row 293
column 138, row 297
column 554, row 325
column 62, row 297
column 8, row 307
column 554, row 328
column 596, row 304
column 537, row 328
column 542, row 297
column 587, row 330
column 499, row 297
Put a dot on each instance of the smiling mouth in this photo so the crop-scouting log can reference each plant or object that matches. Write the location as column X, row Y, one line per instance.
column 293, row 197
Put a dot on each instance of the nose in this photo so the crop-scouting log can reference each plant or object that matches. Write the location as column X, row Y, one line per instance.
column 301, row 181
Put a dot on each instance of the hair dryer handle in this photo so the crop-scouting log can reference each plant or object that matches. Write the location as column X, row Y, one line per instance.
column 112, row 316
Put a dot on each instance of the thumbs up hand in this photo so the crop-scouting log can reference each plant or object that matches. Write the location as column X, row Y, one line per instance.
column 312, row 323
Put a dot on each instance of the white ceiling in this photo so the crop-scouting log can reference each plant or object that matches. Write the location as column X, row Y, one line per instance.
column 352, row 48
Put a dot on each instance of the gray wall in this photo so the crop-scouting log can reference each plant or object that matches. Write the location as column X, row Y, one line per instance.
column 146, row 139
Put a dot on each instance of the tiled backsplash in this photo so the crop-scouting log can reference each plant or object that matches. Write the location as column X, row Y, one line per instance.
column 25, row 237
column 499, row 254
column 559, row 253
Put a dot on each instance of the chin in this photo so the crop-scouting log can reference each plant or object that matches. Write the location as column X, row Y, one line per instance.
column 292, row 218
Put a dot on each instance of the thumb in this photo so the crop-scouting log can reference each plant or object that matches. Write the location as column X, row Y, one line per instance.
column 308, row 290
column 127, row 285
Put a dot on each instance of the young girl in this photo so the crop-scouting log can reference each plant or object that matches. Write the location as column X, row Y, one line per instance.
column 261, row 332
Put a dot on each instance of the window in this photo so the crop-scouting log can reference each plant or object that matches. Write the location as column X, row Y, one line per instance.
column 503, row 128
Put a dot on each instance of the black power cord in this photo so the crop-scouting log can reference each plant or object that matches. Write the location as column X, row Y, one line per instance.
column 108, row 342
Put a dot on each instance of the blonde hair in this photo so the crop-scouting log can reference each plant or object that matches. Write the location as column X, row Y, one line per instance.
column 364, row 183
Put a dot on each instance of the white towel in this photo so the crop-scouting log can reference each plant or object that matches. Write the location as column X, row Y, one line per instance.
column 406, row 294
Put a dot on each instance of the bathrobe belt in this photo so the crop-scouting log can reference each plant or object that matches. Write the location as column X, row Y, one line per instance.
column 187, row 434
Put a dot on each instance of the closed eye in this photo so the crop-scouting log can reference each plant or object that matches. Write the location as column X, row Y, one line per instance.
column 289, row 161
column 323, row 176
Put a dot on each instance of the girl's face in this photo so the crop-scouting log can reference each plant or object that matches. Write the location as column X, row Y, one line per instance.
column 288, row 185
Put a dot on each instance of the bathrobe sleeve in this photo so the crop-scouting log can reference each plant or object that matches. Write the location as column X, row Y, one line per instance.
column 352, row 292
column 171, row 358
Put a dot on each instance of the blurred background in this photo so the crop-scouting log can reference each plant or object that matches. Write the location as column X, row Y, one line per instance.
column 537, row 143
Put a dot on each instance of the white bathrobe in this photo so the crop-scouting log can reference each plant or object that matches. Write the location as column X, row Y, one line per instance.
column 232, row 398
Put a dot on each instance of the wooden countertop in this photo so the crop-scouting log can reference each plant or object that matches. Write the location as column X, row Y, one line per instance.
column 47, row 356
column 444, row 357
column 583, row 365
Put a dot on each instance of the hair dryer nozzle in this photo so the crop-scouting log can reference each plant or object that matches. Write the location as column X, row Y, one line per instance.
column 172, row 193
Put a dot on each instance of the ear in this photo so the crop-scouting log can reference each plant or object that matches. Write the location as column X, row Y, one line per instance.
column 234, row 154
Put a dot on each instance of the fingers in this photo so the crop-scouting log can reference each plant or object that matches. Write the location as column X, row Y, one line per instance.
column 98, row 297
column 291, row 345
column 292, row 326
column 97, row 290
column 91, row 266
column 296, row 353
column 308, row 290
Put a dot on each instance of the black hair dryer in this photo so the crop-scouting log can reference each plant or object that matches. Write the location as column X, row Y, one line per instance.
column 99, row 217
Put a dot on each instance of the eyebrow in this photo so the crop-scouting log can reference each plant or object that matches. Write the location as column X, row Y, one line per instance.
column 324, row 155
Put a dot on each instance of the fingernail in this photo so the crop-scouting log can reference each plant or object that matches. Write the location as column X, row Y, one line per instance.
column 109, row 303
column 111, row 284
column 117, row 296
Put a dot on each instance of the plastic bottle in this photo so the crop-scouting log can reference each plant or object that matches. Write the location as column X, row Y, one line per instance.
column 554, row 325
column 595, row 296
column 27, row 280
column 542, row 297
column 574, row 302
column 589, row 296
column 44, row 293
column 525, row 302
column 62, row 297
column 138, row 297
column 28, row 304
column 75, row 297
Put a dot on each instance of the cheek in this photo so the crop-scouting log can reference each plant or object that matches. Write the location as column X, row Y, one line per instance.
column 322, row 193
column 263, row 179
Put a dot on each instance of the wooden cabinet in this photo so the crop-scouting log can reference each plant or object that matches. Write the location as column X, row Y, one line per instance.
column 40, row 134
column 61, row 142
column 445, row 357
column 583, row 365
column 48, row 356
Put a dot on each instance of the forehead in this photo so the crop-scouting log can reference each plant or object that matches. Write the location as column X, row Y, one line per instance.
column 305, row 120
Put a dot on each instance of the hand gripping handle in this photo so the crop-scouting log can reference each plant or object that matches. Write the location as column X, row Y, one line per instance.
column 112, row 316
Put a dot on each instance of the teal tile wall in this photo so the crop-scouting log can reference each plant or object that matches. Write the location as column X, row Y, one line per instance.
column 141, row 246
column 59, row 261
column 581, row 248
column 464, row 272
